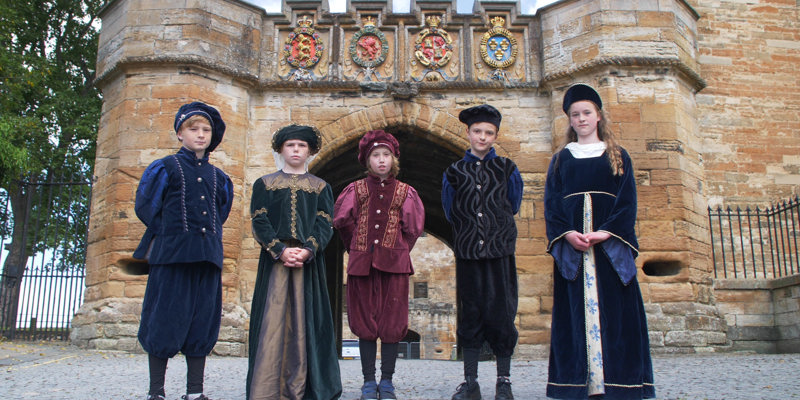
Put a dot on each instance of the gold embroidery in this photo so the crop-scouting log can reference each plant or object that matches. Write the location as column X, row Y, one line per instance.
column 362, row 193
column 550, row 245
column 325, row 215
column 293, row 186
column 313, row 242
column 269, row 247
column 395, row 207
column 258, row 212
column 306, row 182
column 621, row 240
column 589, row 192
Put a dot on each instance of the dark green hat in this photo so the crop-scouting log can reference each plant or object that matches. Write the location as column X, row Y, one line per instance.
column 305, row 133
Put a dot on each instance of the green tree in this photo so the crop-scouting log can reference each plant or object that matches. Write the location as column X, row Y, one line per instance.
column 49, row 111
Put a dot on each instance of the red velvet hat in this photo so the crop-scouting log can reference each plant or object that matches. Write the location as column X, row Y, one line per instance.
column 373, row 139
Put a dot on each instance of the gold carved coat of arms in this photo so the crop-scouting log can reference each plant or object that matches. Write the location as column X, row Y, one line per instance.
column 498, row 48
column 303, row 50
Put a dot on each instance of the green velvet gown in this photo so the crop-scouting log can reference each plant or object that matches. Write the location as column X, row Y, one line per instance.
column 292, row 350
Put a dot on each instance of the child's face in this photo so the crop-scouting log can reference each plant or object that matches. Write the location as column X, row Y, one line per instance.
column 195, row 135
column 295, row 152
column 481, row 137
column 380, row 162
column 583, row 118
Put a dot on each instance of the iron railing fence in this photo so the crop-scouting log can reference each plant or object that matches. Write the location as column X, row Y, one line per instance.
column 755, row 243
column 40, row 302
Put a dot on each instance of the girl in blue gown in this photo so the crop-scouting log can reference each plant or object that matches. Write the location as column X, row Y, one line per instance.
column 599, row 345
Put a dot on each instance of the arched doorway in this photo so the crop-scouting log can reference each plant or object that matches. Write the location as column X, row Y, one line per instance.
column 423, row 159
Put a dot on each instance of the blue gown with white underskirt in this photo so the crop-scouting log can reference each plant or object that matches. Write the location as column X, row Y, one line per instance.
column 599, row 343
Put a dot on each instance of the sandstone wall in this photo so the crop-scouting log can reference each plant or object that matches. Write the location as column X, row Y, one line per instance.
column 749, row 53
column 761, row 315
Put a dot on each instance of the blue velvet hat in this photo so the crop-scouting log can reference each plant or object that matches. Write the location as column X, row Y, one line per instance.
column 210, row 113
column 481, row 113
column 580, row 92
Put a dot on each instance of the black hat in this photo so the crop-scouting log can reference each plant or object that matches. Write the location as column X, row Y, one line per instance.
column 579, row 92
column 210, row 113
column 481, row 113
column 300, row 132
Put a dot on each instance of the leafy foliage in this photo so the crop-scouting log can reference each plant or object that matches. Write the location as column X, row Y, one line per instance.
column 49, row 114
column 49, row 107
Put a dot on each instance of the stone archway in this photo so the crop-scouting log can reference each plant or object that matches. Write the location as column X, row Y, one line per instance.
column 427, row 147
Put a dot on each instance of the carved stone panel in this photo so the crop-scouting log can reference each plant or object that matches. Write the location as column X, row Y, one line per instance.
column 500, row 55
column 434, row 55
column 303, row 56
column 369, row 53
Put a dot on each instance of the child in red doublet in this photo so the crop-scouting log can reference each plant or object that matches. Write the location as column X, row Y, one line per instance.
column 379, row 219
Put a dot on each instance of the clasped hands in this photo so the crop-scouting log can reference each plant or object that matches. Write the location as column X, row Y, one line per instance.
column 294, row 257
column 583, row 241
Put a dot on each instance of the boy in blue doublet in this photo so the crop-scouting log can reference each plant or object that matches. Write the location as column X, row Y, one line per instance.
column 183, row 200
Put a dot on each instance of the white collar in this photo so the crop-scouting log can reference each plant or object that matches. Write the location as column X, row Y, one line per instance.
column 588, row 150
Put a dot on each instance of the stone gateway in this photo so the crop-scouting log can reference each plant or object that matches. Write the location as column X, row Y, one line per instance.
column 691, row 89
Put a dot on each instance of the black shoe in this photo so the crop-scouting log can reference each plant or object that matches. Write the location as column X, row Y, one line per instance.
column 468, row 390
column 503, row 389
column 155, row 397
column 202, row 397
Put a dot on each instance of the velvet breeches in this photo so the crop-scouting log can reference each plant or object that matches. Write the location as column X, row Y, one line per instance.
column 181, row 310
column 488, row 298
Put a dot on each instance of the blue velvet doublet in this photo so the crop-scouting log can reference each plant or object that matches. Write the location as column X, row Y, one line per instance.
column 183, row 201
column 626, row 363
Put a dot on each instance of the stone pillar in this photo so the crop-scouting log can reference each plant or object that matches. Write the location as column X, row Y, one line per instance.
column 141, row 71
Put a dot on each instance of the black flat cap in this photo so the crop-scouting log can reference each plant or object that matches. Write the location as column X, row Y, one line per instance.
column 300, row 132
column 481, row 113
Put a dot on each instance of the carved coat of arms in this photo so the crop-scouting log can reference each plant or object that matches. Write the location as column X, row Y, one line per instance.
column 303, row 49
column 498, row 48
column 369, row 48
column 433, row 48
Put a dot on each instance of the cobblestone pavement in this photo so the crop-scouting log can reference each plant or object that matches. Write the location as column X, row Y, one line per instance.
column 60, row 371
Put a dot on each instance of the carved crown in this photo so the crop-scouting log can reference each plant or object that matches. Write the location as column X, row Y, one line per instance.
column 433, row 20
column 305, row 21
column 498, row 21
column 369, row 21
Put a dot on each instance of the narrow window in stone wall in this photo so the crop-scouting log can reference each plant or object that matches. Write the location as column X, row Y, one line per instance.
column 420, row 290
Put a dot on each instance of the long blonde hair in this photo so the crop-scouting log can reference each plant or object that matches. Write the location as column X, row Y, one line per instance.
column 604, row 133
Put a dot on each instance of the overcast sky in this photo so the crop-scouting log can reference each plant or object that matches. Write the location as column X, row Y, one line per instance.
column 463, row 6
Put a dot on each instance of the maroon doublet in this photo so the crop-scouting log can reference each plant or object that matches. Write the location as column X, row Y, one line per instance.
column 379, row 222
